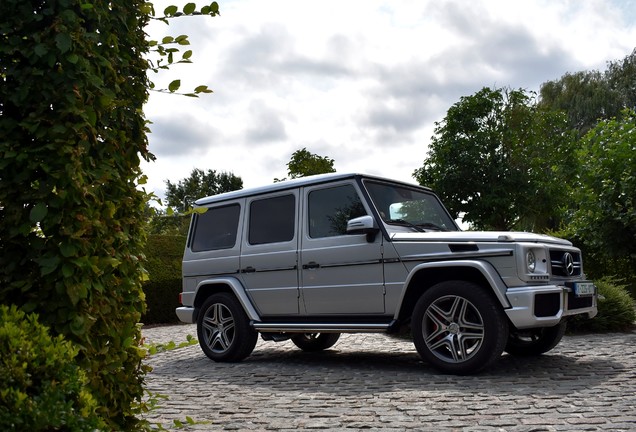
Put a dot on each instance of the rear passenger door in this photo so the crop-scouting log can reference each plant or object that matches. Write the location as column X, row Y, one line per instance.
column 268, row 266
column 340, row 273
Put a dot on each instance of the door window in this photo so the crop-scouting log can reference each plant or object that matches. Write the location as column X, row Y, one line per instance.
column 330, row 209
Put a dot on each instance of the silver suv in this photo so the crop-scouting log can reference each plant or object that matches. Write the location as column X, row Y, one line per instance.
column 311, row 258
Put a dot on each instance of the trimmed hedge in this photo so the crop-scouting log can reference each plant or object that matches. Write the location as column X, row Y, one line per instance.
column 163, row 263
column 43, row 388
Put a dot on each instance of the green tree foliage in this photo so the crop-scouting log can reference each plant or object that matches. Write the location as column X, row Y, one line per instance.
column 72, row 134
column 499, row 160
column 605, row 216
column 303, row 164
column 621, row 76
column 590, row 96
column 182, row 194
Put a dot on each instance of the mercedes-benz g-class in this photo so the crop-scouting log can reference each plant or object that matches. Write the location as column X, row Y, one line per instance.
column 311, row 258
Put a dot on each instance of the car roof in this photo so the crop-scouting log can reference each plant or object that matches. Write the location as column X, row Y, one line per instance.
column 295, row 183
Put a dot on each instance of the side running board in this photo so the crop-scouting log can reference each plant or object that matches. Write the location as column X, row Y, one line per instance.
column 308, row 327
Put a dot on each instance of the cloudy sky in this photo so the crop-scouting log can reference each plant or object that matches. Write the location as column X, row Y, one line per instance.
column 360, row 81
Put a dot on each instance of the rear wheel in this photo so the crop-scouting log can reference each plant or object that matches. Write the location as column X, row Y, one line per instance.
column 459, row 327
column 534, row 342
column 223, row 329
column 312, row 342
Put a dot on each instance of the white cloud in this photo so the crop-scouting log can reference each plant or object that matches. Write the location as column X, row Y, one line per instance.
column 362, row 82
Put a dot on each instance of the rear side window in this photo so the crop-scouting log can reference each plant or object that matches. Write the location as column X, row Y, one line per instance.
column 216, row 228
column 272, row 220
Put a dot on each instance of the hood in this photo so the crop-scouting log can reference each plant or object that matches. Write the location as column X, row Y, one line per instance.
column 477, row 236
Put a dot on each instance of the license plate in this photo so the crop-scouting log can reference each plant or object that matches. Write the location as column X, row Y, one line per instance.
column 582, row 289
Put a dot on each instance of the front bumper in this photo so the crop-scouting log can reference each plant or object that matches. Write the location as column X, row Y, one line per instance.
column 546, row 305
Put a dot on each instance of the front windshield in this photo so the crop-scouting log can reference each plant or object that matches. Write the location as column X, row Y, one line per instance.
column 414, row 208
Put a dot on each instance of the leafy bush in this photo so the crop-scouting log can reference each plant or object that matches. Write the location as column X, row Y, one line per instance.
column 43, row 388
column 616, row 310
column 163, row 263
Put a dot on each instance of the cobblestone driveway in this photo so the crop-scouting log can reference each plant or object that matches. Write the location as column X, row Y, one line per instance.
column 371, row 382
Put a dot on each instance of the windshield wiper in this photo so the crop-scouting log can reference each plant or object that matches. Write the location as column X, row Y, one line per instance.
column 404, row 223
column 430, row 225
column 419, row 227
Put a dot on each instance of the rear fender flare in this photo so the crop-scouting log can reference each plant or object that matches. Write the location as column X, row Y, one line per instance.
column 203, row 291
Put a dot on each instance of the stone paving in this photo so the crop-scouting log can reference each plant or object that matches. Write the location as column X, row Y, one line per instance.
column 372, row 382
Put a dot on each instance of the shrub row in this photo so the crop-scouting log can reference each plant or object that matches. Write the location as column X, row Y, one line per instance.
column 163, row 254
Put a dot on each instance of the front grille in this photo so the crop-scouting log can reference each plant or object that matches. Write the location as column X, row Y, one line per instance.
column 561, row 264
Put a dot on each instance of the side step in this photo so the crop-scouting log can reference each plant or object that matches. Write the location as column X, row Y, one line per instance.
column 318, row 327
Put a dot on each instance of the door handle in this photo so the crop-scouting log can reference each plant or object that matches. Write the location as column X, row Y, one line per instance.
column 311, row 265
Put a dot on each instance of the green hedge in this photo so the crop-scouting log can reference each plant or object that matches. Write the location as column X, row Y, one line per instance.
column 72, row 136
column 616, row 310
column 163, row 254
column 43, row 388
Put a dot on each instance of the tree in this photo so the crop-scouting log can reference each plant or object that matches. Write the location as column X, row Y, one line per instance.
column 182, row 194
column 590, row 96
column 605, row 216
column 621, row 76
column 498, row 160
column 303, row 164
column 72, row 133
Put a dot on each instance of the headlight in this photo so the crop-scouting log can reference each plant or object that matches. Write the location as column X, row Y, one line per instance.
column 531, row 261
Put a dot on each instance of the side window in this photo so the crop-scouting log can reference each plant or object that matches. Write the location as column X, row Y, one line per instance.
column 216, row 228
column 330, row 209
column 272, row 220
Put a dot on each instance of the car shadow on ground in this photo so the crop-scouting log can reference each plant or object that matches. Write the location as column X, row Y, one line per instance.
column 347, row 372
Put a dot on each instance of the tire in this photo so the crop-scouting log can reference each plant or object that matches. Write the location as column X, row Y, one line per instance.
column 459, row 327
column 224, row 330
column 312, row 342
column 534, row 342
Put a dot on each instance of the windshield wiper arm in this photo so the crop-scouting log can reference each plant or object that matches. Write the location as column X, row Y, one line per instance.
column 430, row 225
column 405, row 223
column 419, row 227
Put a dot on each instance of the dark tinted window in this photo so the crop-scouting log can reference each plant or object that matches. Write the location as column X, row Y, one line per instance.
column 272, row 220
column 330, row 210
column 216, row 228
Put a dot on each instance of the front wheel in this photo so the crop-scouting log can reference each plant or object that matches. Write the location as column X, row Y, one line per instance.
column 312, row 342
column 534, row 342
column 224, row 330
column 459, row 327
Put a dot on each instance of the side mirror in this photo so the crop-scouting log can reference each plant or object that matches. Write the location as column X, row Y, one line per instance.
column 363, row 225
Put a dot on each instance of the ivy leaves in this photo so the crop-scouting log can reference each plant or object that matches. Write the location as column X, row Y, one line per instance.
column 168, row 49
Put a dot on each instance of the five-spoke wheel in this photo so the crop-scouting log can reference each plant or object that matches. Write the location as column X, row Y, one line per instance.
column 223, row 329
column 458, row 327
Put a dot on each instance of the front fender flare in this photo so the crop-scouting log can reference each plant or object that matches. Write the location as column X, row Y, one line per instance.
column 486, row 269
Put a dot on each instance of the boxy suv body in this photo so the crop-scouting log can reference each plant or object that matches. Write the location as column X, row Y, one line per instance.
column 311, row 258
